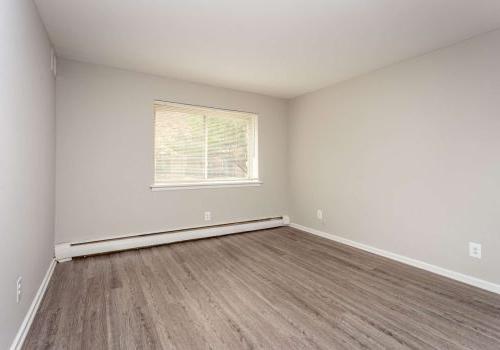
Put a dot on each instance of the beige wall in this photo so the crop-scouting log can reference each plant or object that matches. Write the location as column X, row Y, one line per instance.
column 407, row 158
column 27, row 135
column 105, row 155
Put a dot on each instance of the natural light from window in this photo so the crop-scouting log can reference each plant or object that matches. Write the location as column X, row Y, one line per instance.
column 201, row 146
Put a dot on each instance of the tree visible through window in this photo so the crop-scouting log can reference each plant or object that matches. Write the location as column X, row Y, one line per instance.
column 204, row 145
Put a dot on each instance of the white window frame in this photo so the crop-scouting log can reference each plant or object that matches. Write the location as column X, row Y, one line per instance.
column 253, row 155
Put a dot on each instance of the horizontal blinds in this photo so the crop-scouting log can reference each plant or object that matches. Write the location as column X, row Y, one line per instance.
column 179, row 147
column 228, row 140
column 196, row 144
column 166, row 107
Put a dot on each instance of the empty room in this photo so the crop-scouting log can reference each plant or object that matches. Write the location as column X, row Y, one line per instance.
column 280, row 174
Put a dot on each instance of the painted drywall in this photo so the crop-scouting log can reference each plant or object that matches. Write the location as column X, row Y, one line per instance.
column 27, row 153
column 407, row 158
column 105, row 156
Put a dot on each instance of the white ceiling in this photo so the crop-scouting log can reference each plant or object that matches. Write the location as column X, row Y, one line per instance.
column 281, row 48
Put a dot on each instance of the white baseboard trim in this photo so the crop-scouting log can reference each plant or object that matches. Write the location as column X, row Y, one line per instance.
column 66, row 251
column 473, row 281
column 30, row 315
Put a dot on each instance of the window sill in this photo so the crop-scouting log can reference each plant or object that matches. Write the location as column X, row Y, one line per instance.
column 199, row 185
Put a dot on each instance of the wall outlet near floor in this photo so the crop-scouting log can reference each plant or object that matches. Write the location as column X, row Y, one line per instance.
column 475, row 250
column 208, row 216
column 19, row 289
column 319, row 214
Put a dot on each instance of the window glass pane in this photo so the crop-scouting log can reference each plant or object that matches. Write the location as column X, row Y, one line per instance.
column 180, row 147
column 198, row 144
column 227, row 147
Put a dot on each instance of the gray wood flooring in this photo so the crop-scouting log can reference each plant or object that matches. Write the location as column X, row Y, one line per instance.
column 270, row 289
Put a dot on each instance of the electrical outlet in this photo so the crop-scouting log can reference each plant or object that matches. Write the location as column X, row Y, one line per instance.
column 319, row 214
column 208, row 216
column 53, row 62
column 19, row 289
column 475, row 250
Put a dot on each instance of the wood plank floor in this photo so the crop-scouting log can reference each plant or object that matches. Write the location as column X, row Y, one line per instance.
column 270, row 289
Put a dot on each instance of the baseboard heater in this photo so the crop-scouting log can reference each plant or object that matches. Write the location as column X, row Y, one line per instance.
column 67, row 251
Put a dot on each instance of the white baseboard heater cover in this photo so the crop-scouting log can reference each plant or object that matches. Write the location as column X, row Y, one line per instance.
column 66, row 251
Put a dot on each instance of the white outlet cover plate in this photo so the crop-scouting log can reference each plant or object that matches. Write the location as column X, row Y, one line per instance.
column 19, row 289
column 475, row 250
column 319, row 214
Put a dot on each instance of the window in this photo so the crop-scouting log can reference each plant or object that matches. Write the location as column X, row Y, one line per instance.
column 200, row 146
